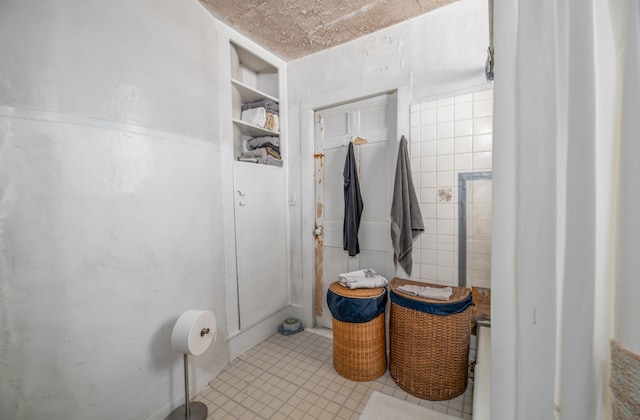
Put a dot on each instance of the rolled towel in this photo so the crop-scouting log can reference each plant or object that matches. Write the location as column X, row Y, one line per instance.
column 272, row 123
column 364, row 282
column 436, row 293
column 255, row 116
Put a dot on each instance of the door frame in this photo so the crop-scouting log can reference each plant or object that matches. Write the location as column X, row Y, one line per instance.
column 401, row 87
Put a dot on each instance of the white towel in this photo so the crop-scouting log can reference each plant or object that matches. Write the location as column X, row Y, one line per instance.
column 436, row 293
column 255, row 116
column 362, row 279
column 365, row 272
column 364, row 282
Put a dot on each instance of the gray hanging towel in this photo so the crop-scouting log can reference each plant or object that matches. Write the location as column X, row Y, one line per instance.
column 352, row 205
column 406, row 218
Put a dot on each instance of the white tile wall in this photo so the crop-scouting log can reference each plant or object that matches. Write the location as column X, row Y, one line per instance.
column 449, row 136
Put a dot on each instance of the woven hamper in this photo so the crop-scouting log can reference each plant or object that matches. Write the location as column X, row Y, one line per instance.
column 429, row 352
column 359, row 343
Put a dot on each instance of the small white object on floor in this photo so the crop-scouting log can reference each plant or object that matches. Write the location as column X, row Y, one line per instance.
column 384, row 407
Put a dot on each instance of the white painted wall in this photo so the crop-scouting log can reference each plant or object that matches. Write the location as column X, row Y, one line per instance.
column 110, row 213
column 435, row 55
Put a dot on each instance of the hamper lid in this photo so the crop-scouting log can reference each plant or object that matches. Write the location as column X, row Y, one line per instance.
column 460, row 300
column 355, row 305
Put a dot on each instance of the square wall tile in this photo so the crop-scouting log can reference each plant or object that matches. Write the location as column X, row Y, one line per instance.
column 445, row 258
column 444, row 146
column 429, row 211
column 483, row 125
column 447, row 242
column 428, row 148
column 428, row 256
column 428, row 241
column 444, row 163
column 428, row 272
column 445, row 113
column 444, row 274
column 483, row 142
column 428, row 179
column 445, row 210
column 463, row 162
column 445, row 179
column 428, row 116
column 463, row 111
column 463, row 144
column 482, row 160
column 463, row 127
column 427, row 163
column 430, row 226
column 427, row 195
column 445, row 130
column 482, row 108
column 427, row 132
column 445, row 227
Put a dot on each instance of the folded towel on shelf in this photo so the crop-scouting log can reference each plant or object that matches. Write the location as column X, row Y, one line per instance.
column 264, row 141
column 436, row 293
column 261, row 153
column 267, row 104
column 261, row 156
column 255, row 116
column 362, row 279
column 272, row 123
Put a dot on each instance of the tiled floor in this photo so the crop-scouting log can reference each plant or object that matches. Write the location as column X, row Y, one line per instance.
column 292, row 377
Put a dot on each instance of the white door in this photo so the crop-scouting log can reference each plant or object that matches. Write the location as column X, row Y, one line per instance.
column 373, row 120
column 260, row 241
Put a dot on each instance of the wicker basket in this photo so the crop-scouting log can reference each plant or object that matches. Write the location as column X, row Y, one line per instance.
column 359, row 348
column 429, row 354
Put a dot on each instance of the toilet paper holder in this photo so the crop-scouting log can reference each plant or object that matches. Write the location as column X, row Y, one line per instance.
column 190, row 336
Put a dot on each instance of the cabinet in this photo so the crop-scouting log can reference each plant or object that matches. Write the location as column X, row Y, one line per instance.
column 260, row 241
column 253, row 79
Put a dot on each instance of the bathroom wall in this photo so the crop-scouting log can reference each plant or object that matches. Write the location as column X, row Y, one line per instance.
column 435, row 55
column 450, row 136
column 110, row 218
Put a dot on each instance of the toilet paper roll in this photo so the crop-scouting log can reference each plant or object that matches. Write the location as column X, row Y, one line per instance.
column 193, row 332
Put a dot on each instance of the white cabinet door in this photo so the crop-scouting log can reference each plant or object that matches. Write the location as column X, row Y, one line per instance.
column 260, row 241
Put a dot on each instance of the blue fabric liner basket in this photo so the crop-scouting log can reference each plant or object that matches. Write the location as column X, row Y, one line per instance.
column 359, row 339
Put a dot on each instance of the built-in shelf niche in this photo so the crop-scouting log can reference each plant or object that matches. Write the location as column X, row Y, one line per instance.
column 252, row 79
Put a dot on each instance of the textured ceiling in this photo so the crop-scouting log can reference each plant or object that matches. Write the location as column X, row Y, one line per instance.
column 294, row 28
